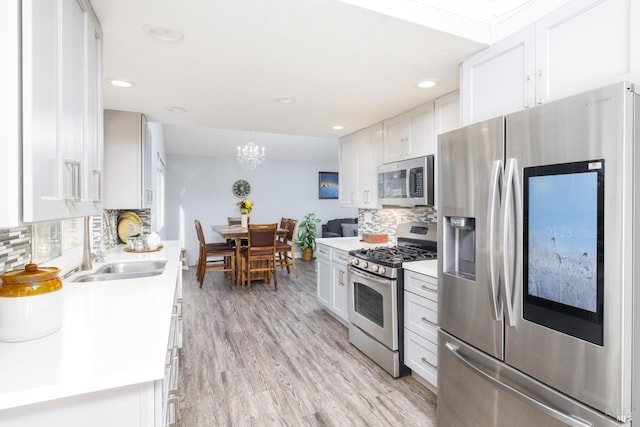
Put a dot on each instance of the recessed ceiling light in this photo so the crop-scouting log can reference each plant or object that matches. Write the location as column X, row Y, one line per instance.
column 163, row 34
column 285, row 100
column 120, row 83
column 337, row 127
column 425, row 84
column 175, row 109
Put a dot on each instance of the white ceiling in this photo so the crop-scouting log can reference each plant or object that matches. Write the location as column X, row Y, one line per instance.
column 342, row 63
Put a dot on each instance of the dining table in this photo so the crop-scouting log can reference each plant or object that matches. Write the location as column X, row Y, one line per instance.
column 237, row 233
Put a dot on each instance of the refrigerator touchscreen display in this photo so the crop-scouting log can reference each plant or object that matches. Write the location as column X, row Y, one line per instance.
column 563, row 246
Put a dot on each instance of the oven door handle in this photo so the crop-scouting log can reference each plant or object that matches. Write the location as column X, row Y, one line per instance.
column 369, row 276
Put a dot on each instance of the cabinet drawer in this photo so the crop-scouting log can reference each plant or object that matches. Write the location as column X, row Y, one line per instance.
column 339, row 256
column 419, row 284
column 421, row 316
column 421, row 356
column 323, row 251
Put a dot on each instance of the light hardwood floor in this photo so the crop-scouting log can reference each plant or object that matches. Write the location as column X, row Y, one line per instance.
column 266, row 358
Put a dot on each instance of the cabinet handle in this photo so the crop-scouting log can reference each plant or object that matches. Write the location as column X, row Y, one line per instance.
column 527, row 81
column 74, row 166
column 424, row 319
column 366, row 196
column 425, row 361
column 425, row 288
column 539, row 87
column 98, row 175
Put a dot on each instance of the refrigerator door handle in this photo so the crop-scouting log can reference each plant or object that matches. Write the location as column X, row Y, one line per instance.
column 494, row 204
column 511, row 190
column 531, row 401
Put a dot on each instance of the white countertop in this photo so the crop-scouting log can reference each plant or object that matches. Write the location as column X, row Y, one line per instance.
column 349, row 243
column 114, row 333
column 428, row 267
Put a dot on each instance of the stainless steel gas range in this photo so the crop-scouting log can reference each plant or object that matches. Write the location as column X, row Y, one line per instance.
column 376, row 294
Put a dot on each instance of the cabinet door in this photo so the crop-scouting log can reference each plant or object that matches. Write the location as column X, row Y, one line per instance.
column 339, row 283
column 397, row 131
column 500, row 79
column 92, row 173
column 147, row 165
column 10, row 191
column 583, row 45
column 422, row 137
column 124, row 155
column 446, row 113
column 369, row 149
column 72, row 68
column 348, row 171
column 42, row 164
column 323, row 279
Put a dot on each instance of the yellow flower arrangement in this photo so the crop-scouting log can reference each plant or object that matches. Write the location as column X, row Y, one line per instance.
column 245, row 206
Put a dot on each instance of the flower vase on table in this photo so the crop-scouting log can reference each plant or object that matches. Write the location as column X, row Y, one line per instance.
column 245, row 207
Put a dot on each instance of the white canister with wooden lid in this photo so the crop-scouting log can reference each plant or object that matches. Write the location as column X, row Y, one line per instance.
column 30, row 303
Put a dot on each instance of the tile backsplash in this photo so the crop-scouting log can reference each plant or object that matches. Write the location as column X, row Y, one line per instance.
column 15, row 247
column 386, row 220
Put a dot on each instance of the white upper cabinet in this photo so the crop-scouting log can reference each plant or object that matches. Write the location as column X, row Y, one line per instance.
column 410, row 134
column 360, row 155
column 580, row 46
column 447, row 113
column 583, row 45
column 62, row 110
column 10, row 168
column 500, row 79
column 127, row 161
column 369, row 157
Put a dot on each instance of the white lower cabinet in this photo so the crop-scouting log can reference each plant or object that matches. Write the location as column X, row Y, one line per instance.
column 332, row 284
column 421, row 326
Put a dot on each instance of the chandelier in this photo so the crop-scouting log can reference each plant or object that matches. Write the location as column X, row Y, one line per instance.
column 250, row 156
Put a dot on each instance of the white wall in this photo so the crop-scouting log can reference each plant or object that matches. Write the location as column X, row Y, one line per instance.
column 200, row 188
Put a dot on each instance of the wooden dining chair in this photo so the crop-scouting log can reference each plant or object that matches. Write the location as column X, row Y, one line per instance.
column 286, row 247
column 214, row 257
column 260, row 254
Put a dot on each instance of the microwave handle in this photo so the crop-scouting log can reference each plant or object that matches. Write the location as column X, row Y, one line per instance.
column 411, row 182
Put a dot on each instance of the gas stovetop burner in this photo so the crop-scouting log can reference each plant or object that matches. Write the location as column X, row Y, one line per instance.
column 395, row 255
column 415, row 242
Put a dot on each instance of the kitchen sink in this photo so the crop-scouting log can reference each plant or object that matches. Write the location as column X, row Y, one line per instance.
column 124, row 270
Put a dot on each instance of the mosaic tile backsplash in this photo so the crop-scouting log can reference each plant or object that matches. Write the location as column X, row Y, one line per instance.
column 386, row 220
column 15, row 247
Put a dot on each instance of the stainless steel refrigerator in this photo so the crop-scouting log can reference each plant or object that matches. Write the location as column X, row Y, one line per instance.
column 538, row 258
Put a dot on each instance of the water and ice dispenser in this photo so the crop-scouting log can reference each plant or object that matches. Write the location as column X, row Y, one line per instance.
column 459, row 256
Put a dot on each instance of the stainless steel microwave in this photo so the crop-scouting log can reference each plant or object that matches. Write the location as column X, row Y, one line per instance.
column 406, row 183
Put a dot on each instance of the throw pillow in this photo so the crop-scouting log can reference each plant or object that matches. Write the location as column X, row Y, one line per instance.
column 349, row 230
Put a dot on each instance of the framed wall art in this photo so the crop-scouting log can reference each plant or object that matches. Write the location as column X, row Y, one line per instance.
column 327, row 185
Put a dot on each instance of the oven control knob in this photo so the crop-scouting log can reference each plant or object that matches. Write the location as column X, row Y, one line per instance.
column 382, row 270
column 355, row 261
column 365, row 264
